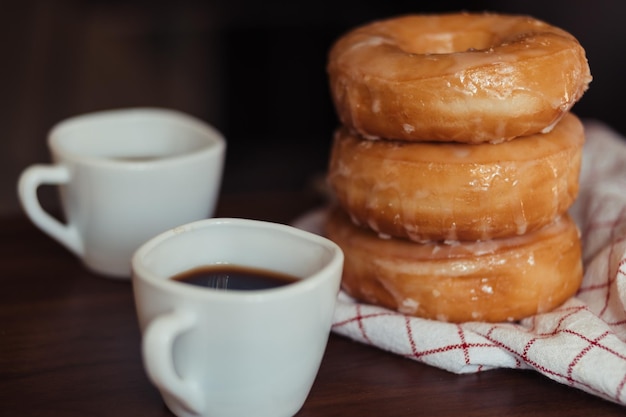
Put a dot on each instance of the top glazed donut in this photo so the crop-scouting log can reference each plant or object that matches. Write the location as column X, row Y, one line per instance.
column 462, row 77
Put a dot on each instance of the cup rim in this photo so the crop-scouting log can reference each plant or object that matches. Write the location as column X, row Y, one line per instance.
column 141, row 273
column 215, row 145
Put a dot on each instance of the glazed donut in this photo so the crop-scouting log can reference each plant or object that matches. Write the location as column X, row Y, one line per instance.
column 462, row 77
column 498, row 280
column 452, row 191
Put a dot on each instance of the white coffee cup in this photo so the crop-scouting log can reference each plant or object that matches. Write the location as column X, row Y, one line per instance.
column 228, row 353
column 125, row 176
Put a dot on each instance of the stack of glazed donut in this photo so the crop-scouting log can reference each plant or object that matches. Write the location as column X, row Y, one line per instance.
column 455, row 164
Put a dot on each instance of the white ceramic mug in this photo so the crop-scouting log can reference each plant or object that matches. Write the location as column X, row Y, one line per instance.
column 235, row 353
column 125, row 176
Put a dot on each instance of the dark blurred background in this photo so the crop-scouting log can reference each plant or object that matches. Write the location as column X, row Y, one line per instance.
column 253, row 69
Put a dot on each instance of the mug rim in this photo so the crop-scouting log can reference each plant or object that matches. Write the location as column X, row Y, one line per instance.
column 141, row 273
column 215, row 143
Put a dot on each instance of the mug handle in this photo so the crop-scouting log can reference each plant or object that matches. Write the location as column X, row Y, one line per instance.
column 157, row 347
column 33, row 177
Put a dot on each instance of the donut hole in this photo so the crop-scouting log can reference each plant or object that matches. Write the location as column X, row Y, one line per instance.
column 447, row 42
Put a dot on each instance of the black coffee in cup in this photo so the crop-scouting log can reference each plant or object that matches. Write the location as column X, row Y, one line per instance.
column 233, row 277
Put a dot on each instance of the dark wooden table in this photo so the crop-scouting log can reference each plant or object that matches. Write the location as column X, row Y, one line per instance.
column 69, row 346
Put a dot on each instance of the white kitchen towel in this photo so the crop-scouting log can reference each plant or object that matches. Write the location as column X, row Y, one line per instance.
column 581, row 344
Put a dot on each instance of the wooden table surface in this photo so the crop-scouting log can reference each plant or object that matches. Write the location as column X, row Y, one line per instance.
column 70, row 346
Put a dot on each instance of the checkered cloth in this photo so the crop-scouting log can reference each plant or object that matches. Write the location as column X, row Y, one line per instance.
column 581, row 344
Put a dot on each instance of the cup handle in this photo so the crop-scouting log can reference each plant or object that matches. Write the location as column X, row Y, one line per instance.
column 29, row 181
column 157, row 346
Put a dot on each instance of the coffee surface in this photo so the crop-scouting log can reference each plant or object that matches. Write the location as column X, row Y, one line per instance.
column 136, row 158
column 233, row 277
